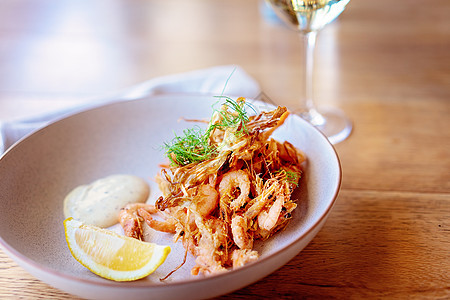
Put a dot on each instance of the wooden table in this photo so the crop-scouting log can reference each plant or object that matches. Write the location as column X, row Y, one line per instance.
column 385, row 63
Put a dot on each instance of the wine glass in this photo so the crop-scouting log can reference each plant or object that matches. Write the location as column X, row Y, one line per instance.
column 308, row 17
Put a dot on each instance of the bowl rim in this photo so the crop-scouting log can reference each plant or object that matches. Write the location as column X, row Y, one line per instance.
column 24, row 261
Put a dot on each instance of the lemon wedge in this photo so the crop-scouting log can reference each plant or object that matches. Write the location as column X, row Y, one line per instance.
column 111, row 255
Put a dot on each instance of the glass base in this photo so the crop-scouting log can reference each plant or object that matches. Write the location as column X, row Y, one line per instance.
column 332, row 122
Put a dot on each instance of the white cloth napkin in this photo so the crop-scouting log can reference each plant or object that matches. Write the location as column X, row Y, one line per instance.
column 228, row 80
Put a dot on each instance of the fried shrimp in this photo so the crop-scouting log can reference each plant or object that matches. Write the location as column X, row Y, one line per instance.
column 168, row 225
column 239, row 231
column 241, row 257
column 209, row 256
column 130, row 221
column 207, row 199
column 225, row 189
column 132, row 216
column 232, row 181
column 267, row 219
column 269, row 188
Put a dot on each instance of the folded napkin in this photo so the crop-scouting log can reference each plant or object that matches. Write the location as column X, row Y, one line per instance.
column 227, row 80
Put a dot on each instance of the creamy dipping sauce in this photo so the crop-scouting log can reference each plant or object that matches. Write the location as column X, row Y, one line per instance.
column 99, row 203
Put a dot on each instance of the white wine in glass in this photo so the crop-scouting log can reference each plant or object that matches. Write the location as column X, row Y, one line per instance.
column 308, row 17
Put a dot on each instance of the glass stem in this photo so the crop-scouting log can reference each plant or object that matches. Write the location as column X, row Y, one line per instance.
column 309, row 111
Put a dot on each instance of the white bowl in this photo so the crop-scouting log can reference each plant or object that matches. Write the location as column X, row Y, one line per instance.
column 125, row 137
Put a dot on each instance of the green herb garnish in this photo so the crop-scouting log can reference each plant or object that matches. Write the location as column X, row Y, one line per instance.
column 235, row 117
column 291, row 176
column 194, row 146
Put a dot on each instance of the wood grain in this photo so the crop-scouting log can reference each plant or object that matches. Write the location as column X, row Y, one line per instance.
column 385, row 63
column 385, row 246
